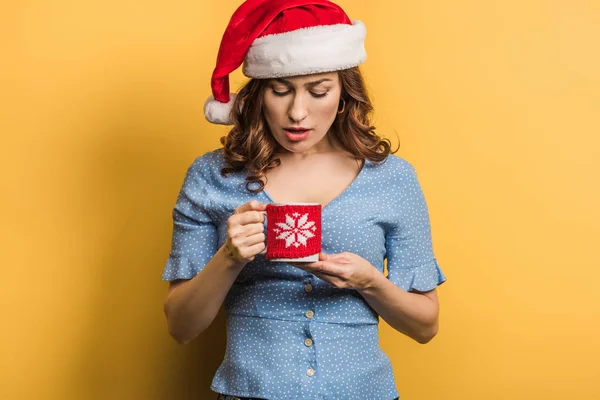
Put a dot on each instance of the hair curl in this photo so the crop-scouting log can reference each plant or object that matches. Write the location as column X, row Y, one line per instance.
column 249, row 145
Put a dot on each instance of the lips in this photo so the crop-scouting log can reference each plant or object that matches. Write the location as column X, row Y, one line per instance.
column 296, row 130
column 296, row 135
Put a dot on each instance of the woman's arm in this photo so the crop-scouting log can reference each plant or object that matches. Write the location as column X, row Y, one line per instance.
column 192, row 305
column 414, row 314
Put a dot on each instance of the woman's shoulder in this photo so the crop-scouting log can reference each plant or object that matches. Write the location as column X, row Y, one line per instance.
column 210, row 157
column 396, row 166
column 209, row 164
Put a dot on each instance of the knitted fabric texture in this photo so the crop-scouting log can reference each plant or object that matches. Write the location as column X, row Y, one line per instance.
column 293, row 231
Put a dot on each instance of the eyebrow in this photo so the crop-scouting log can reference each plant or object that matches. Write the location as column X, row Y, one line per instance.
column 308, row 84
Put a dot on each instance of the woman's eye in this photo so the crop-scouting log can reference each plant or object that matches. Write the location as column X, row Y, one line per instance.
column 276, row 93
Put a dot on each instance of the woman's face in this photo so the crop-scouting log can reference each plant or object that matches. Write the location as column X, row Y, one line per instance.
column 302, row 102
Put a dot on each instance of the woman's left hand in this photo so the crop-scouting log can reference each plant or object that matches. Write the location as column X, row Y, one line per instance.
column 343, row 270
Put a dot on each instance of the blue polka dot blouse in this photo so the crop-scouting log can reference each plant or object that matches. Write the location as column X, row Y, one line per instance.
column 291, row 335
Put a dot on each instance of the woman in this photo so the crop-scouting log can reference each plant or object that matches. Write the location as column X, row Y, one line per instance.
column 301, row 134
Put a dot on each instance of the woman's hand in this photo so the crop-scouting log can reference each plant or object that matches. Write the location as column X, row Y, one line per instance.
column 343, row 270
column 245, row 232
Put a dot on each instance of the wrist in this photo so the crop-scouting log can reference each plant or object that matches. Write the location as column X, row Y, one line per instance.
column 229, row 258
column 372, row 281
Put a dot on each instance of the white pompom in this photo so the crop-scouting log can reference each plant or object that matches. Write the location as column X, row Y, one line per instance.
column 217, row 112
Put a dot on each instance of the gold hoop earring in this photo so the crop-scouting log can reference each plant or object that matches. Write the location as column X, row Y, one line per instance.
column 343, row 107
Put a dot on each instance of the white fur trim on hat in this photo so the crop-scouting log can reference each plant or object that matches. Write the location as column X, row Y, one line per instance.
column 217, row 112
column 306, row 51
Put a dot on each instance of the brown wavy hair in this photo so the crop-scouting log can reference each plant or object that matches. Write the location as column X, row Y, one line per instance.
column 249, row 145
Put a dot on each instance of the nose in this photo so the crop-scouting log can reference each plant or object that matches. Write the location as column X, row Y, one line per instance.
column 298, row 109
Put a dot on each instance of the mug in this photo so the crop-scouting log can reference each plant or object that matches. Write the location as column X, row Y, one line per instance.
column 293, row 232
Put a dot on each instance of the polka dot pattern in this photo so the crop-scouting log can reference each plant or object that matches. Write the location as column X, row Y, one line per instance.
column 273, row 308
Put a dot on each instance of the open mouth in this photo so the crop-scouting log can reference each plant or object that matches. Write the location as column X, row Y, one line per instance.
column 295, row 135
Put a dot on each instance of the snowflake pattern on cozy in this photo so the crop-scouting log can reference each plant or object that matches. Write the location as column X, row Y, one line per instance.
column 292, row 231
column 295, row 232
column 291, row 335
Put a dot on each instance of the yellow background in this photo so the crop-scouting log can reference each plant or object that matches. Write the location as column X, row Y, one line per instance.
column 496, row 104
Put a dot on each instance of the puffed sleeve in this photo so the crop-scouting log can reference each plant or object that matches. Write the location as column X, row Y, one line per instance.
column 195, row 237
column 410, row 260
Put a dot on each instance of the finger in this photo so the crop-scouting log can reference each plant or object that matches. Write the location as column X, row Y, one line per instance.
column 236, row 230
column 322, row 257
column 331, row 257
column 249, row 217
column 251, row 229
column 322, row 268
column 327, row 267
column 247, row 230
column 327, row 278
column 256, row 248
column 254, row 239
column 252, row 205
column 242, row 244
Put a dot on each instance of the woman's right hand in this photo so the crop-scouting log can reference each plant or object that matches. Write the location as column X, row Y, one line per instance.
column 245, row 232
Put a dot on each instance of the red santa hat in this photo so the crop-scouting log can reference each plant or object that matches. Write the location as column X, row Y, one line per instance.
column 278, row 38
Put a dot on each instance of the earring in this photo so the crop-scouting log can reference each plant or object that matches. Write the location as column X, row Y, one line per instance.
column 343, row 107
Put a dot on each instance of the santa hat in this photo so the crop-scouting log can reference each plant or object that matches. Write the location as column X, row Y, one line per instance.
column 278, row 38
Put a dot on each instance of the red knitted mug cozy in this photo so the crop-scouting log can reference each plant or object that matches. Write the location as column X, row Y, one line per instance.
column 293, row 231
